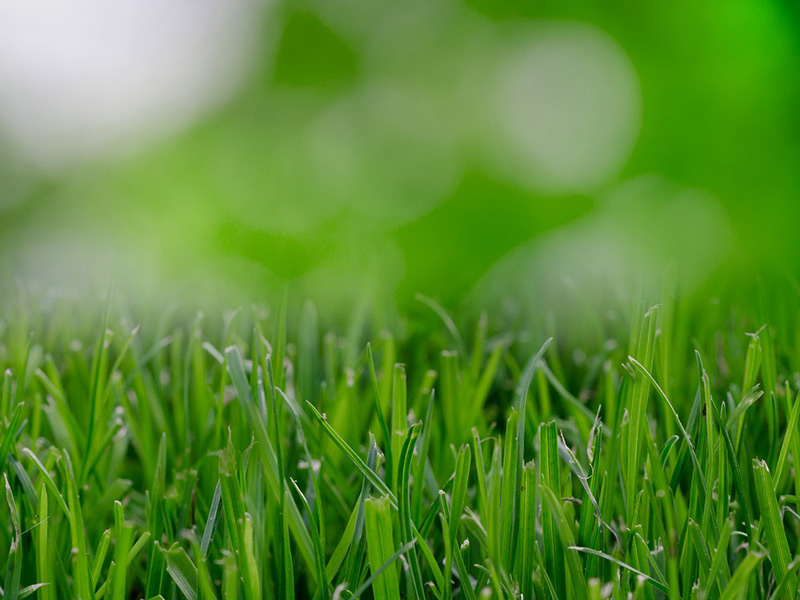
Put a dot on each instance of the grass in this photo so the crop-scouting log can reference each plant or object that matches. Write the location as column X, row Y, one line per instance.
column 252, row 456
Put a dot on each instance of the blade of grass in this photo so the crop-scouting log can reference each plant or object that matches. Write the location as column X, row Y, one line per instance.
column 211, row 521
column 738, row 585
column 639, row 430
column 654, row 582
column 359, row 463
column 319, row 550
column 399, row 416
column 378, row 526
column 550, row 477
column 371, row 579
column 577, row 581
column 379, row 409
column 447, row 320
column 509, row 491
column 44, row 567
column 773, row 524
column 404, row 508
column 14, row 559
column 182, row 570
column 788, row 440
column 122, row 536
column 80, row 568
column 100, row 557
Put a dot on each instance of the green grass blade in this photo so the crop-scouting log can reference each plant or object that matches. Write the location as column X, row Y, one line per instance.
column 371, row 579
column 182, row 570
column 14, row 559
column 80, row 569
column 48, row 480
column 551, row 479
column 737, row 587
column 447, row 320
column 44, row 566
column 577, row 581
column 100, row 556
column 380, row 546
column 509, row 491
column 527, row 530
column 288, row 570
column 399, row 416
column 211, row 521
column 789, row 437
column 654, row 582
column 359, row 463
column 319, row 550
column 692, row 452
column 772, row 523
column 122, row 537
column 379, row 409
column 10, row 433
column 639, row 431
column 404, row 508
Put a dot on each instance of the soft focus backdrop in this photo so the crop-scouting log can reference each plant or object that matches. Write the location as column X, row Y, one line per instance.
column 479, row 152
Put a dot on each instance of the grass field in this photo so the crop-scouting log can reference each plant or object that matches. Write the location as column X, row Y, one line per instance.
column 255, row 454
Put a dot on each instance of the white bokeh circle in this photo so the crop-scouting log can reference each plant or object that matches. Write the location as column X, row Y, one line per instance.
column 384, row 151
column 83, row 78
column 564, row 107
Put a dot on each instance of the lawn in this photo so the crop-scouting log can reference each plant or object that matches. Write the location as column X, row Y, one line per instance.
column 267, row 453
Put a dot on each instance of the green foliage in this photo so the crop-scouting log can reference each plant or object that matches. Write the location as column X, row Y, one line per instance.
column 146, row 462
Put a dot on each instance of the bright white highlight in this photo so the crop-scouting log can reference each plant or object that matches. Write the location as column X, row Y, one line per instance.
column 567, row 105
column 83, row 77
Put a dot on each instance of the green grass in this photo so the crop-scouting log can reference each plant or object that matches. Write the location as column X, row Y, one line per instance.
column 258, row 455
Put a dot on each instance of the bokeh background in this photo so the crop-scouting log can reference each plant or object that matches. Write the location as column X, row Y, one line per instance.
column 482, row 152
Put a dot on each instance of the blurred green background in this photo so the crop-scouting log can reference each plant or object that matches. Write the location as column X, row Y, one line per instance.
column 363, row 150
